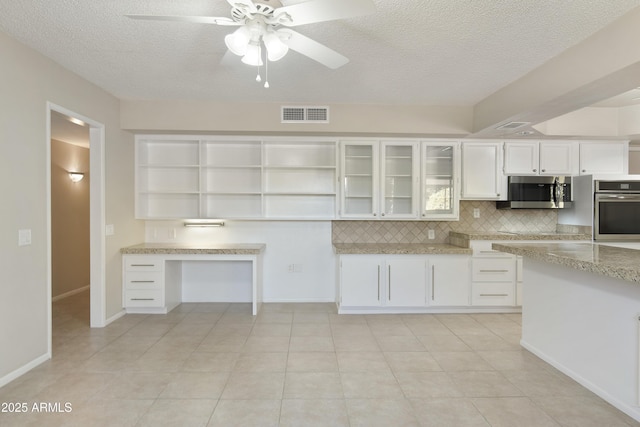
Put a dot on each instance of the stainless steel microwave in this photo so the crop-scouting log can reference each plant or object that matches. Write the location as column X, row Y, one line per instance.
column 537, row 192
column 616, row 210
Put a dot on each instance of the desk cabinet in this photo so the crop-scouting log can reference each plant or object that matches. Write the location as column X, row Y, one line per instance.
column 143, row 283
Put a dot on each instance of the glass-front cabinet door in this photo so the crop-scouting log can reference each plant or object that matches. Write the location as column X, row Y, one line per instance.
column 400, row 180
column 359, row 179
column 440, row 172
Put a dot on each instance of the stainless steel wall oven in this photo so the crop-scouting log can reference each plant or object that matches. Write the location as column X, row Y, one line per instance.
column 616, row 210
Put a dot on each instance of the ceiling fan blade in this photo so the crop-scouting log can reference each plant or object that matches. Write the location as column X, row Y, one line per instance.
column 195, row 19
column 314, row 50
column 247, row 5
column 322, row 10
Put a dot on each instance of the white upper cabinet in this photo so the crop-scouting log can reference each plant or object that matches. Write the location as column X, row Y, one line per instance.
column 482, row 177
column 539, row 158
column 607, row 157
column 380, row 179
column 440, row 180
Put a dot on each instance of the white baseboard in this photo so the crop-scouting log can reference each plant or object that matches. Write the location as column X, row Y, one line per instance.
column 302, row 300
column 70, row 293
column 24, row 369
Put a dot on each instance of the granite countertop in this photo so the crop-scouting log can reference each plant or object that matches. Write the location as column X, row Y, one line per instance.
column 209, row 249
column 516, row 235
column 619, row 263
column 399, row 248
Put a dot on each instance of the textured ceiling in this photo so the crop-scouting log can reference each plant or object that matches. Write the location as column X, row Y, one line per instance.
column 429, row 52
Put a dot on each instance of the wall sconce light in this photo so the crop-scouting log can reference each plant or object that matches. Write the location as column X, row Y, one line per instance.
column 203, row 223
column 76, row 176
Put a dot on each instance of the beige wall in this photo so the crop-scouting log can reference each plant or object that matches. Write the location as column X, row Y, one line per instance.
column 27, row 81
column 69, row 218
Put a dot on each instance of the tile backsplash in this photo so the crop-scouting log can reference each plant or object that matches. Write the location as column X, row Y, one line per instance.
column 491, row 219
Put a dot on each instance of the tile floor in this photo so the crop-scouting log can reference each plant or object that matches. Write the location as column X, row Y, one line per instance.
column 297, row 365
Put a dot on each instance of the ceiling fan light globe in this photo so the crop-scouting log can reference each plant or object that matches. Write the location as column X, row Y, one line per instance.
column 238, row 41
column 253, row 56
column 276, row 48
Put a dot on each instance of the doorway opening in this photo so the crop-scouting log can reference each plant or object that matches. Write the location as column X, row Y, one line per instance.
column 61, row 124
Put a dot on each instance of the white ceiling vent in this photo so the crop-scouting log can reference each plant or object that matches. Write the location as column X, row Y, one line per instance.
column 513, row 125
column 305, row 114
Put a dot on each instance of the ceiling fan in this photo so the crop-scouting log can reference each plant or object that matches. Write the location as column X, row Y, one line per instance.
column 268, row 22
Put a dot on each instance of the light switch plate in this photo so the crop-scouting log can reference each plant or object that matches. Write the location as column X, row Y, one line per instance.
column 24, row 237
column 476, row 212
column 431, row 234
column 109, row 230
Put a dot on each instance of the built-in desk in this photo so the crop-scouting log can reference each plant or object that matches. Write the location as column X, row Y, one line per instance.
column 158, row 277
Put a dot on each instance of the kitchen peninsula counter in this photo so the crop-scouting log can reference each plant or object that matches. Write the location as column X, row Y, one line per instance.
column 208, row 249
column 580, row 313
column 399, row 249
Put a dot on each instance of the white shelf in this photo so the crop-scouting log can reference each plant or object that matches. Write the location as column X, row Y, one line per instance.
column 235, row 178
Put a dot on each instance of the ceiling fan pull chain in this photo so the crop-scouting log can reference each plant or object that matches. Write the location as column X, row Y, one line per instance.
column 266, row 72
column 258, row 77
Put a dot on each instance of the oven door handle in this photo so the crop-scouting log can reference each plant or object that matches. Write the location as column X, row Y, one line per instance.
column 617, row 197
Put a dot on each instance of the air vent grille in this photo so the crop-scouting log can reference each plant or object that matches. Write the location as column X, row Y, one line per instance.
column 513, row 125
column 305, row 114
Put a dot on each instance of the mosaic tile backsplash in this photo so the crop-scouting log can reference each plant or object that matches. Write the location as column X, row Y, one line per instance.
column 491, row 219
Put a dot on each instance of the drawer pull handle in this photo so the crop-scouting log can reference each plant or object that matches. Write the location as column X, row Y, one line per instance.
column 378, row 282
column 494, row 271
column 494, row 295
column 143, row 265
column 143, row 281
column 433, row 282
column 142, row 299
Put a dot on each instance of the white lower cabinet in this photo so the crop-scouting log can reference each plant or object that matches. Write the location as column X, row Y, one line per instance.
column 383, row 281
column 403, row 282
column 449, row 280
column 493, row 276
column 147, row 284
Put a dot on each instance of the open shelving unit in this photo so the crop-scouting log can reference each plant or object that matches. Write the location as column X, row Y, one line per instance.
column 235, row 178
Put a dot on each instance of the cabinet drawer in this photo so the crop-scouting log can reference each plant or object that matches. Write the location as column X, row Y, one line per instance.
column 483, row 249
column 493, row 270
column 142, row 263
column 143, row 298
column 493, row 294
column 143, row 280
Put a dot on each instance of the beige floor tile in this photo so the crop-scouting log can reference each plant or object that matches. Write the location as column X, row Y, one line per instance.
column 381, row 412
column 460, row 361
column 427, row 384
column 390, row 329
column 310, row 317
column 210, row 362
column 412, row 361
column 484, row 384
column 246, row 413
column 583, row 411
column 76, row 387
column 222, row 343
column 311, row 330
column 350, row 329
column 370, row 385
column 513, row 412
column 261, row 362
column 190, row 329
column 313, row 385
column 274, row 317
column 346, row 319
column 488, row 342
column 196, row 385
column 177, row 343
column 545, row 383
column 447, row 412
column 129, row 344
column 399, row 343
column 308, row 343
column 136, row 386
column 443, row 343
column 252, row 385
column 518, row 360
column 178, row 412
column 355, row 343
column 266, row 344
column 312, row 362
column 271, row 330
column 109, row 362
column 314, row 412
column 160, row 361
column 107, row 412
column 362, row 362
column 203, row 318
column 231, row 329
column 428, row 328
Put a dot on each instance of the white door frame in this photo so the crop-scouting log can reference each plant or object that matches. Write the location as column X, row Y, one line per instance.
column 96, row 212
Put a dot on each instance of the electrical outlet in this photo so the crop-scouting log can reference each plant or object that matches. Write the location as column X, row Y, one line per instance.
column 476, row 212
column 295, row 268
column 431, row 234
column 24, row 237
